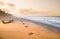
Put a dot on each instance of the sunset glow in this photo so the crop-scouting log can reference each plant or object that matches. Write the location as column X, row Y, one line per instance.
column 31, row 8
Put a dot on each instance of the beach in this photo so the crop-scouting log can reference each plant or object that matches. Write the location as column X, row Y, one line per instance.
column 26, row 30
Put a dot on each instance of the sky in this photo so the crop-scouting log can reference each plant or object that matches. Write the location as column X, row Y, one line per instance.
column 42, row 7
column 37, row 4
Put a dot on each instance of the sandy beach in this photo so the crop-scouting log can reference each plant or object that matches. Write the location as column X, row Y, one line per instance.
column 14, row 28
column 25, row 30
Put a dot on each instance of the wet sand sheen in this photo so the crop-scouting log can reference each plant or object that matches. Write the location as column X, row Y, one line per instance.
column 18, row 30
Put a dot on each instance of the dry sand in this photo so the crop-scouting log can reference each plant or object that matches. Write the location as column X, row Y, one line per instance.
column 25, row 30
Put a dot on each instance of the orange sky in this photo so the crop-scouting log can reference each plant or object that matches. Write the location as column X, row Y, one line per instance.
column 32, row 7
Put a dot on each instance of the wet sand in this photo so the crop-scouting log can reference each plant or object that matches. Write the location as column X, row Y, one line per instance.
column 25, row 30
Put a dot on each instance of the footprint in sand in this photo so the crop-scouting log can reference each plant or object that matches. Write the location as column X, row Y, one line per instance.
column 7, row 21
column 30, row 34
column 26, row 26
